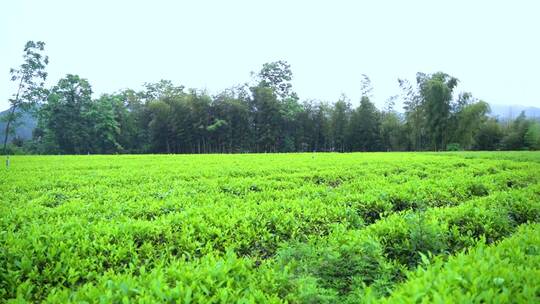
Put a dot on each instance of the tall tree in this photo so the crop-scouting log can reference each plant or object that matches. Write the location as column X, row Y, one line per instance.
column 321, row 127
column 339, row 122
column 31, row 77
column 436, row 91
column 277, row 75
column 489, row 135
column 267, row 119
column 514, row 138
column 200, row 103
column 289, row 111
column 159, row 126
column 414, row 114
column 393, row 136
column 66, row 118
column 163, row 100
column 469, row 119
column 105, row 131
column 274, row 105
column 365, row 127
column 532, row 136
column 127, row 109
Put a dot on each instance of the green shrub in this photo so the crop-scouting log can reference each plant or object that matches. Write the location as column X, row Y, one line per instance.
column 505, row 273
column 453, row 147
column 379, row 256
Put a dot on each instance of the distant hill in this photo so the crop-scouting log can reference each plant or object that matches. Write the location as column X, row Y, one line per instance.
column 23, row 130
column 512, row 111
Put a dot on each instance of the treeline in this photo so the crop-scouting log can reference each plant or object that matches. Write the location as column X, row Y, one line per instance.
column 264, row 116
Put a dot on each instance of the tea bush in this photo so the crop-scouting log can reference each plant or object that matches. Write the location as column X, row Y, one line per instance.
column 274, row 228
column 506, row 272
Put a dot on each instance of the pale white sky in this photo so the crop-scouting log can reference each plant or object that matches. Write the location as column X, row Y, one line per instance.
column 493, row 47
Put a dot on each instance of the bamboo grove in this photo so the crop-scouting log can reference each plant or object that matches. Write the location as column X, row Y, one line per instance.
column 265, row 115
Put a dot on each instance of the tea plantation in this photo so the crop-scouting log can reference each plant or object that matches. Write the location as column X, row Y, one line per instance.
column 458, row 227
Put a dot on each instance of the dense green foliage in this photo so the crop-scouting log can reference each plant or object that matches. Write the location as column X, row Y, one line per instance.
column 265, row 115
column 506, row 273
column 273, row 228
column 29, row 77
column 19, row 135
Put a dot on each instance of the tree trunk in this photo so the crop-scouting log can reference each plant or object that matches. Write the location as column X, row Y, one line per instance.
column 12, row 116
column 8, row 124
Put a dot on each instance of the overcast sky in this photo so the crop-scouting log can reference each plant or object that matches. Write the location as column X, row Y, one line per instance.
column 493, row 47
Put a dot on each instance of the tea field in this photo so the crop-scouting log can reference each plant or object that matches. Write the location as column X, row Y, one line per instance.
column 271, row 228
